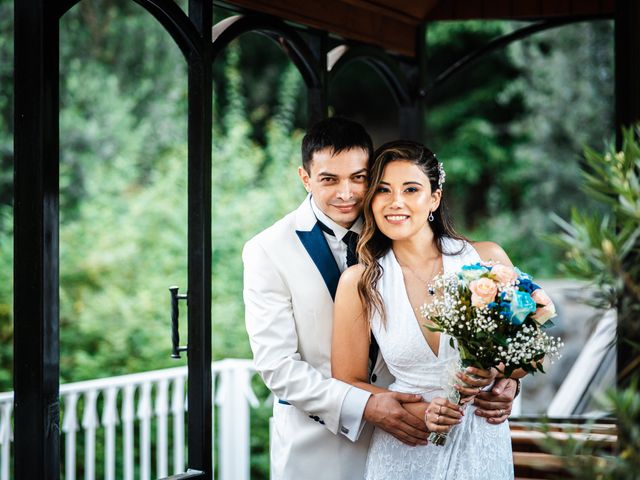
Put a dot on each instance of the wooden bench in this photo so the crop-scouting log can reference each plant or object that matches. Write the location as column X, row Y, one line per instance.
column 531, row 461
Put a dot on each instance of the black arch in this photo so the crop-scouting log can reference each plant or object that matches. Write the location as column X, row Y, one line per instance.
column 384, row 64
column 170, row 16
column 282, row 34
column 498, row 43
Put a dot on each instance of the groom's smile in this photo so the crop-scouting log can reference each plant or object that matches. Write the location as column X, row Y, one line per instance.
column 348, row 208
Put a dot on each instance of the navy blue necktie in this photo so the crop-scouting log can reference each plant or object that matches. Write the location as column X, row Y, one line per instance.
column 351, row 240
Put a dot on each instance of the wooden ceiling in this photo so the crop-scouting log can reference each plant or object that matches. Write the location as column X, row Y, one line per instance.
column 393, row 24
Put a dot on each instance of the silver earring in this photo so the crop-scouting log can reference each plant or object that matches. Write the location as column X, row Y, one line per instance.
column 431, row 216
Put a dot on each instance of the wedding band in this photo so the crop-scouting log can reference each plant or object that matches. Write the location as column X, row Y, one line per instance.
column 500, row 412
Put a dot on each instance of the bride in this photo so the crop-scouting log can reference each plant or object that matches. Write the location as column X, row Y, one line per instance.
column 407, row 240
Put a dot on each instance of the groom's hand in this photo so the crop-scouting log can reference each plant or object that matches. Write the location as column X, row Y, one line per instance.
column 385, row 411
column 495, row 405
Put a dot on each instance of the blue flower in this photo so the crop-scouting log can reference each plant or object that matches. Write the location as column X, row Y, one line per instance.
column 526, row 285
column 502, row 308
column 521, row 306
column 475, row 266
column 470, row 273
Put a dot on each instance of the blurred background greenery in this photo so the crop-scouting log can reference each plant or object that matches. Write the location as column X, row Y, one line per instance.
column 510, row 132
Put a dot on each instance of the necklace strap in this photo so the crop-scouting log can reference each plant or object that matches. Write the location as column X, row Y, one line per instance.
column 434, row 271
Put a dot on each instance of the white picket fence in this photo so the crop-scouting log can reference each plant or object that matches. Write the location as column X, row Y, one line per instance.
column 137, row 403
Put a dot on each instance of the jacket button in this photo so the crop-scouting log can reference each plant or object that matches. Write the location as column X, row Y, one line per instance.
column 374, row 377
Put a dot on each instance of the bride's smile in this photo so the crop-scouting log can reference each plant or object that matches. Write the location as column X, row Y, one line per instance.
column 396, row 219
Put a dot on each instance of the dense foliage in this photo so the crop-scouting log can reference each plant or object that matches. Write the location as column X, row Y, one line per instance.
column 509, row 132
column 606, row 250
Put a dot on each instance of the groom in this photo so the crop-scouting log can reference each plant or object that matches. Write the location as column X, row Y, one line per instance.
column 321, row 426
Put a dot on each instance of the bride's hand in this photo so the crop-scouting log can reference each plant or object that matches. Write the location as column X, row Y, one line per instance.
column 473, row 381
column 441, row 415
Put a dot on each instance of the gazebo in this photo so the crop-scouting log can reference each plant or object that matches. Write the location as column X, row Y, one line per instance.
column 320, row 38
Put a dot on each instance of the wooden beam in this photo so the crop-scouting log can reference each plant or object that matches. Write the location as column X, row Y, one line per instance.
column 415, row 9
column 399, row 10
column 518, row 9
column 355, row 20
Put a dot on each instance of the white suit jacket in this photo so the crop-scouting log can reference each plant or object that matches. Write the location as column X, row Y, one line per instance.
column 290, row 277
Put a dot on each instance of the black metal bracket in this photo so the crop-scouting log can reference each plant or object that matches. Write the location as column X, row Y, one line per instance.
column 175, row 313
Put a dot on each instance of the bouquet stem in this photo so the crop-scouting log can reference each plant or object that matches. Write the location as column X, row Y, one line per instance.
column 439, row 439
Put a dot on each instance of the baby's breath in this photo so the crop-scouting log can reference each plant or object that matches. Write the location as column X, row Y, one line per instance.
column 485, row 337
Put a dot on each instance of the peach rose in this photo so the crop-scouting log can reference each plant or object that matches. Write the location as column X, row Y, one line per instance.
column 477, row 301
column 483, row 291
column 546, row 311
column 504, row 274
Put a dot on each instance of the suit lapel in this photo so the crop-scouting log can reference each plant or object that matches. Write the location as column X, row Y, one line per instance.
column 319, row 251
column 316, row 245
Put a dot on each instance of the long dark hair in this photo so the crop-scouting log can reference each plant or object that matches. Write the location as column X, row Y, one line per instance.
column 373, row 243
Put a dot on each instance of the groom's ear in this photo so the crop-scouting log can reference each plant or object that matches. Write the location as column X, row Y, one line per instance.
column 306, row 179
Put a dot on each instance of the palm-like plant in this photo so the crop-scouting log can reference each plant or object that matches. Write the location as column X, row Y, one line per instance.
column 605, row 248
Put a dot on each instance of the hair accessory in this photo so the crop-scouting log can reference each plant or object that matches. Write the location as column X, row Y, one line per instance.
column 441, row 175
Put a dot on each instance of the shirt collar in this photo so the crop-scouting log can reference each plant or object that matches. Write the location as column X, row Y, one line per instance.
column 339, row 230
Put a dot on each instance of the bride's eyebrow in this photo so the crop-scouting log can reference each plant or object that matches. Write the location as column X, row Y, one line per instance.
column 412, row 183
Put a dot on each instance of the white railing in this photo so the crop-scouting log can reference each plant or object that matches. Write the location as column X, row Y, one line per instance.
column 108, row 413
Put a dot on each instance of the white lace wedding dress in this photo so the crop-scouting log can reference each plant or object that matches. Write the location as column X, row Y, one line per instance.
column 475, row 449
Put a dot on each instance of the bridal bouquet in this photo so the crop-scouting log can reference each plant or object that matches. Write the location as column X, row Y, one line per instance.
column 496, row 314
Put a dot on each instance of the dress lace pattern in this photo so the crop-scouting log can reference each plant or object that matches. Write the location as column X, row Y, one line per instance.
column 475, row 449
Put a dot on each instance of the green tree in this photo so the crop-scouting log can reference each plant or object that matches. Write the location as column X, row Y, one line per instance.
column 6, row 103
column 6, row 193
column 510, row 129
column 467, row 124
column 567, row 89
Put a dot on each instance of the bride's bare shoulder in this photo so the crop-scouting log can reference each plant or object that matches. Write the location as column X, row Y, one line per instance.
column 351, row 276
column 491, row 252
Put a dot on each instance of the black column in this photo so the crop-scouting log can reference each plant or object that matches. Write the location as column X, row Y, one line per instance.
column 36, row 316
column 411, row 115
column 627, row 70
column 317, row 108
column 627, row 64
column 199, row 257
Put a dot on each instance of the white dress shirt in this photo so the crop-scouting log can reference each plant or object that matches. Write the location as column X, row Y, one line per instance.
column 351, row 423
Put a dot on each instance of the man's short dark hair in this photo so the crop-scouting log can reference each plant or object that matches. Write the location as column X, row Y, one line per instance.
column 336, row 133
